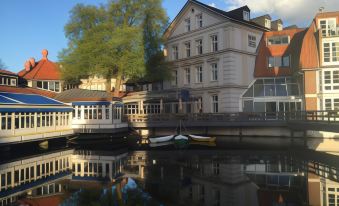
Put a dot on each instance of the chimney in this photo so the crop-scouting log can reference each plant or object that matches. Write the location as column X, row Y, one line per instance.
column 44, row 54
column 32, row 61
column 27, row 66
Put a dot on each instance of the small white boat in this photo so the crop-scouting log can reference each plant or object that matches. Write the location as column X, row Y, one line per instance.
column 180, row 137
column 161, row 139
column 202, row 138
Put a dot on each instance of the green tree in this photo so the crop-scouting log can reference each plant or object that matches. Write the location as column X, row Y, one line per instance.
column 111, row 41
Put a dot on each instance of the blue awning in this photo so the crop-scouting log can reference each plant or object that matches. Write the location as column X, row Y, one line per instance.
column 36, row 109
column 90, row 103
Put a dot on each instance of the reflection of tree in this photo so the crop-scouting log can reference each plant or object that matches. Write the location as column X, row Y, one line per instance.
column 119, row 196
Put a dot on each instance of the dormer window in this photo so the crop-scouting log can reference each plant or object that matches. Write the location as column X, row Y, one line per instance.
column 278, row 40
column 199, row 20
column 188, row 24
column 246, row 15
column 267, row 23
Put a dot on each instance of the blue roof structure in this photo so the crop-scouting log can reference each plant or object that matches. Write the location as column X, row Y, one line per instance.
column 21, row 103
column 35, row 99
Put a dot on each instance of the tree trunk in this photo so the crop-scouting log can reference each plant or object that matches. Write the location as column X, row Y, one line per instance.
column 117, row 86
column 108, row 84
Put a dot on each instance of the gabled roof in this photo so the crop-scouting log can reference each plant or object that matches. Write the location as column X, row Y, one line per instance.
column 230, row 15
column 44, row 70
column 26, row 90
column 3, row 71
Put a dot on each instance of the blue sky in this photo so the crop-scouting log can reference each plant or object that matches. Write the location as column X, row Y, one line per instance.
column 29, row 26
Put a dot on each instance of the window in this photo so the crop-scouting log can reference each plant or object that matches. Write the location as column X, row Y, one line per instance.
column 278, row 40
column 330, row 80
column 327, row 26
column 267, row 23
column 335, row 52
column 286, row 61
column 188, row 24
column 214, row 43
column 187, row 76
column 175, row 78
column 199, row 20
column 214, row 72
column 188, row 49
column 252, row 41
column 246, row 15
column 49, row 85
column 270, row 61
column 331, row 52
column 199, row 46
column 327, row 52
column 215, row 104
column 131, row 109
column 13, row 82
column 199, row 74
column 175, row 52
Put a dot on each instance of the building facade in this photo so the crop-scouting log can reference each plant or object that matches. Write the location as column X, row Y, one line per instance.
column 212, row 55
column 319, row 62
column 276, row 87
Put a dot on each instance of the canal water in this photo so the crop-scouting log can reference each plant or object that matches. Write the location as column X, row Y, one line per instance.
column 123, row 172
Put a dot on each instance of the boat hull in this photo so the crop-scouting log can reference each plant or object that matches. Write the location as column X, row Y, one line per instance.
column 161, row 139
column 202, row 139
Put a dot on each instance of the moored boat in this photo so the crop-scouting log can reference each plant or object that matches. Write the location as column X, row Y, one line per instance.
column 202, row 138
column 161, row 144
column 161, row 139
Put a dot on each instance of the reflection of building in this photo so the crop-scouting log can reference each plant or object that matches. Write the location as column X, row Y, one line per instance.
column 97, row 164
column 18, row 177
column 29, row 117
column 38, row 177
column 94, row 111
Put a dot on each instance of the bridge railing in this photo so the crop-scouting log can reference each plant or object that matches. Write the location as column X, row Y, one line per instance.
column 328, row 116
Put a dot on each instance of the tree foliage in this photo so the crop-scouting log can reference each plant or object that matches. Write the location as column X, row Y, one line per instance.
column 121, row 39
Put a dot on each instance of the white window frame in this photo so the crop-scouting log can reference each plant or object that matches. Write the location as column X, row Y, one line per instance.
column 252, row 41
column 199, row 21
column 327, row 29
column 188, row 49
column 267, row 23
column 175, row 52
column 199, row 46
column 328, row 84
column 246, row 15
column 214, row 72
column 214, row 103
column 330, row 62
column 188, row 24
column 199, row 74
column 187, row 79
column 214, row 43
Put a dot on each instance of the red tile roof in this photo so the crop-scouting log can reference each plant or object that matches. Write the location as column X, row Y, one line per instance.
column 43, row 70
column 3, row 71
column 26, row 90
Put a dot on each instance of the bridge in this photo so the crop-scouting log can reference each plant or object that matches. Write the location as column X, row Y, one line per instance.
column 295, row 121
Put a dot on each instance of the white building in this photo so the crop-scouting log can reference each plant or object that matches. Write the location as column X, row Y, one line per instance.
column 212, row 53
column 94, row 111
column 30, row 117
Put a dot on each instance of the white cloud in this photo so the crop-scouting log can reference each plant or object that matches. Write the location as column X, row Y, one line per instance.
column 212, row 5
column 299, row 12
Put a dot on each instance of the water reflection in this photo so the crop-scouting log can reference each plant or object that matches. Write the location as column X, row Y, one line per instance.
column 107, row 174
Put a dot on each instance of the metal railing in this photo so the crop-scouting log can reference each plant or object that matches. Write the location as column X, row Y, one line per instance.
column 323, row 116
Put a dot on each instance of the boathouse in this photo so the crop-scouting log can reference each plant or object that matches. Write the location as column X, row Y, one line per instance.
column 31, row 117
column 94, row 111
